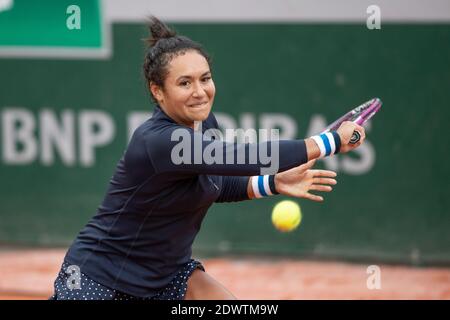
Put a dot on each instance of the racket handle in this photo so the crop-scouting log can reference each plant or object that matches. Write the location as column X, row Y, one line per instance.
column 356, row 136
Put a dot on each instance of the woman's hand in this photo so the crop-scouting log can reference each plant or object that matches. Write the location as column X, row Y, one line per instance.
column 298, row 181
column 345, row 132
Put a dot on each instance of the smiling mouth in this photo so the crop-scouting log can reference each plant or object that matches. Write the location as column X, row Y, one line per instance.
column 198, row 105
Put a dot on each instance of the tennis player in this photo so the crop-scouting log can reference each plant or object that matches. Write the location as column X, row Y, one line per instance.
column 138, row 245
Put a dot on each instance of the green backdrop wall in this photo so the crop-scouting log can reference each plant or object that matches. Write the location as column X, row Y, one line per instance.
column 394, row 208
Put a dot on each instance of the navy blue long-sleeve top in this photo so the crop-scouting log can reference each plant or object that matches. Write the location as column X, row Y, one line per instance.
column 143, row 230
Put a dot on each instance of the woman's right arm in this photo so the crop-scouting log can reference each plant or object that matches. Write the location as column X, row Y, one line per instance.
column 184, row 151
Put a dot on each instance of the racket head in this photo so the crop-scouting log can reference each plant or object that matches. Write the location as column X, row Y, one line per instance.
column 359, row 115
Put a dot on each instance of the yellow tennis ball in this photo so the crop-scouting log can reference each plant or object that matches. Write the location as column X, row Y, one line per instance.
column 286, row 215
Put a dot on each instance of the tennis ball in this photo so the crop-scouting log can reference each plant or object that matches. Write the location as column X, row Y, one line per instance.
column 286, row 215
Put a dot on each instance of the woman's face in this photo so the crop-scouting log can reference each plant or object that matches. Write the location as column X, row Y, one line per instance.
column 189, row 90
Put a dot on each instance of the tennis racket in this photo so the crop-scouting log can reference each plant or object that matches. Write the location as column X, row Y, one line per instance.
column 359, row 115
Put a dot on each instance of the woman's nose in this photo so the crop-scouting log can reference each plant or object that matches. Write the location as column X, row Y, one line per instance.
column 198, row 91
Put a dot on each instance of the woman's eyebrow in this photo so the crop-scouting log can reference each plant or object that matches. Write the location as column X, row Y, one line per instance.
column 189, row 77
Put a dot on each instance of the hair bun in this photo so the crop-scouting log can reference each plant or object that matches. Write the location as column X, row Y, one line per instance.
column 158, row 30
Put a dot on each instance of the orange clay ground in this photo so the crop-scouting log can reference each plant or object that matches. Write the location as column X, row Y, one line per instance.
column 29, row 274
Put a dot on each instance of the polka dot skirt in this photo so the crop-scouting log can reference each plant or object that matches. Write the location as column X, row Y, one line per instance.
column 88, row 289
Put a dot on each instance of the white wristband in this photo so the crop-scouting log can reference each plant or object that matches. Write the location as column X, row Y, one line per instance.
column 263, row 186
column 326, row 144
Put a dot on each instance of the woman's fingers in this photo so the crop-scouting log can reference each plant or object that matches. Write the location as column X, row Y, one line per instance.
column 307, row 165
column 319, row 187
column 313, row 197
column 321, row 181
column 324, row 173
column 324, row 181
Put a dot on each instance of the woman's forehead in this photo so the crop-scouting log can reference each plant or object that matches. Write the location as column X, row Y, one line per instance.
column 190, row 64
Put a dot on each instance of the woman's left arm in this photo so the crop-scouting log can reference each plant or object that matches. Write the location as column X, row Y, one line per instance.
column 234, row 188
column 299, row 181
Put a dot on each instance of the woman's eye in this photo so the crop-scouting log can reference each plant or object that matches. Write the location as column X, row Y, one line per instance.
column 184, row 83
column 206, row 79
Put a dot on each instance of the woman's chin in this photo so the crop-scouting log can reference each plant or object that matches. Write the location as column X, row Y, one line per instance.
column 199, row 114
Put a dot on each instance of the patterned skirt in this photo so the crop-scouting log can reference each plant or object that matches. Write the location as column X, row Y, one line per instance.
column 88, row 289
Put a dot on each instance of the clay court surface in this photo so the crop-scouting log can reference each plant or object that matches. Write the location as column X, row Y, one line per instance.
column 29, row 274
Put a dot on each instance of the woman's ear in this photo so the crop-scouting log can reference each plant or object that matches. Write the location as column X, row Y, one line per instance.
column 156, row 92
